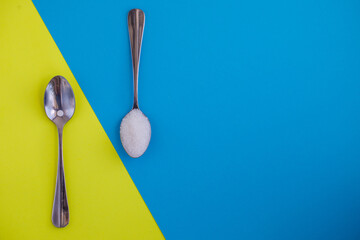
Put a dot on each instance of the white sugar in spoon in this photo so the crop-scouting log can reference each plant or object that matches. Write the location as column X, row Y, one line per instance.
column 135, row 129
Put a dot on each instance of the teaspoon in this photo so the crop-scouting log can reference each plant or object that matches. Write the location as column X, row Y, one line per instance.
column 59, row 104
column 135, row 129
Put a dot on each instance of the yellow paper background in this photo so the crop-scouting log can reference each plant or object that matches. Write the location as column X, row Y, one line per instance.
column 103, row 201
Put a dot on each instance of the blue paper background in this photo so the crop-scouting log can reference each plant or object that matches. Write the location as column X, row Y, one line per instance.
column 254, row 107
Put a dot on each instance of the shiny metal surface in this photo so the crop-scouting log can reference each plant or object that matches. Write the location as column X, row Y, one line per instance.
column 136, row 22
column 59, row 104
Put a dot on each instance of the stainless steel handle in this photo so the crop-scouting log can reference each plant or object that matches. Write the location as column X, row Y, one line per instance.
column 136, row 22
column 60, row 213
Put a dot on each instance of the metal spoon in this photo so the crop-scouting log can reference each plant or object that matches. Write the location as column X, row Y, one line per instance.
column 59, row 104
column 136, row 22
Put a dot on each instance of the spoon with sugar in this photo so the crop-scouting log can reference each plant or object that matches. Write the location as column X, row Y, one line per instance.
column 135, row 129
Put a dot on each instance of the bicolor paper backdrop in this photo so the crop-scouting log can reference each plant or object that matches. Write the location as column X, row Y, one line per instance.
column 254, row 107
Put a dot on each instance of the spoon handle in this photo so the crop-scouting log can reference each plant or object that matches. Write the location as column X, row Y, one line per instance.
column 60, row 213
column 136, row 22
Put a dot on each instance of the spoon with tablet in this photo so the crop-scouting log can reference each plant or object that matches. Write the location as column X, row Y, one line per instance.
column 59, row 104
column 135, row 129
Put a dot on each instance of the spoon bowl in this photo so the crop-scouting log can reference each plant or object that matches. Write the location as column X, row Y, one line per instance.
column 59, row 101
column 135, row 133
